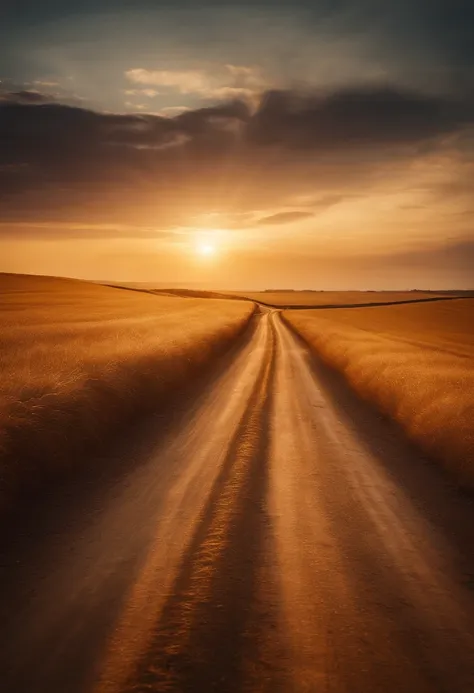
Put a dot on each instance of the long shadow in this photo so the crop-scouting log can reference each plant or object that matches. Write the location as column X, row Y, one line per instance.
column 372, row 304
column 195, row 293
column 209, row 634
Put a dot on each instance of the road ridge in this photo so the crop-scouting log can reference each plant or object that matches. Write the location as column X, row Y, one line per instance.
column 207, row 620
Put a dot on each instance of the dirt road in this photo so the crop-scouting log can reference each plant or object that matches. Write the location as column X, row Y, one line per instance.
column 278, row 536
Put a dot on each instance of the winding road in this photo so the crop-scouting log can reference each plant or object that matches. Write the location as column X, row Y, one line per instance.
column 276, row 535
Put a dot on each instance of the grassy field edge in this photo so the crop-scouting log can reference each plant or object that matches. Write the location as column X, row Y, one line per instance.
column 42, row 444
column 432, row 414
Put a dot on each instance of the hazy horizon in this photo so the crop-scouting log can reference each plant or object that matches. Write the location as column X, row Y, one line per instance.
column 209, row 286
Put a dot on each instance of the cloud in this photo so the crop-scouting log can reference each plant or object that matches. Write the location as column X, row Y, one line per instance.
column 63, row 162
column 34, row 97
column 25, row 96
column 289, row 41
column 71, row 129
column 248, row 74
column 172, row 111
column 45, row 83
column 451, row 260
column 366, row 116
column 55, row 230
column 229, row 82
column 191, row 81
column 57, row 159
column 285, row 218
column 150, row 93
column 231, row 93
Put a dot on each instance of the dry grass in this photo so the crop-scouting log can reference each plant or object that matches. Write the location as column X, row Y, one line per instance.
column 79, row 361
column 416, row 362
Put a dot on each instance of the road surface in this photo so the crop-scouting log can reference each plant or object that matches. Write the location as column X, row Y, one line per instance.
column 277, row 536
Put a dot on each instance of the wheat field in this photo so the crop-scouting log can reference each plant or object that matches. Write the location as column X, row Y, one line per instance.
column 80, row 360
column 286, row 299
column 415, row 362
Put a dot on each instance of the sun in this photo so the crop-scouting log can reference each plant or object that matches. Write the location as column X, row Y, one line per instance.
column 208, row 244
column 206, row 249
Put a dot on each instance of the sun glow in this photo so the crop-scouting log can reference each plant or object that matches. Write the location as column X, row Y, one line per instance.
column 206, row 249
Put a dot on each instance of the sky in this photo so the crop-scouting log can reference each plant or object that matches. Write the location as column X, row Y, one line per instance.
column 319, row 144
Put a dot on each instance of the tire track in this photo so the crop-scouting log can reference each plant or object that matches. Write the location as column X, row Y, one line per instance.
column 376, row 603
column 213, row 629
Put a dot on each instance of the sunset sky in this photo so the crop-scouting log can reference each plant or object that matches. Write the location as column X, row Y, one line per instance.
column 323, row 144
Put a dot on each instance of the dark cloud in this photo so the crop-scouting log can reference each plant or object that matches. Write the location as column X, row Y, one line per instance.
column 285, row 218
column 56, row 157
column 56, row 141
column 24, row 96
column 195, row 120
column 352, row 117
column 60, row 124
column 442, row 27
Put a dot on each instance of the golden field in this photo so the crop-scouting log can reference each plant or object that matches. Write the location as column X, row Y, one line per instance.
column 80, row 361
column 310, row 299
column 286, row 299
column 415, row 362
